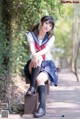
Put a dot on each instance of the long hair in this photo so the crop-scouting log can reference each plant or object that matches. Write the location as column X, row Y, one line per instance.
column 35, row 29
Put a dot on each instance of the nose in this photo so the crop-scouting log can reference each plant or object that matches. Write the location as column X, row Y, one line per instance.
column 47, row 27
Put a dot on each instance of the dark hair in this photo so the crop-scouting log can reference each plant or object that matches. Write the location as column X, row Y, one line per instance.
column 44, row 19
column 48, row 18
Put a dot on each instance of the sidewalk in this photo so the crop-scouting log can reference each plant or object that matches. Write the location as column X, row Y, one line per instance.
column 63, row 101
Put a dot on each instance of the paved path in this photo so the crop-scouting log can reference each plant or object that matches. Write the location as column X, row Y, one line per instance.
column 63, row 102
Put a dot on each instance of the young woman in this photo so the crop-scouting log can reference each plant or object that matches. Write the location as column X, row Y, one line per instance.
column 40, row 67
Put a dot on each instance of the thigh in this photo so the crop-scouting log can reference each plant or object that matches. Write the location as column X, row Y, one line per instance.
column 30, row 67
column 42, row 77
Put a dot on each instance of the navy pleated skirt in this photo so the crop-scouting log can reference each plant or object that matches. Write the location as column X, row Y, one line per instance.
column 47, row 66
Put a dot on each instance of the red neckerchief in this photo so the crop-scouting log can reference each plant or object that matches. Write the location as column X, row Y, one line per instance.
column 43, row 45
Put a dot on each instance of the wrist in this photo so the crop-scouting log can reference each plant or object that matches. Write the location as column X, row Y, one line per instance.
column 34, row 54
column 34, row 57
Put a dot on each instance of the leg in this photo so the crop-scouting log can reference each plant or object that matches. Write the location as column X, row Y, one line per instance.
column 41, row 79
column 27, row 72
column 34, row 73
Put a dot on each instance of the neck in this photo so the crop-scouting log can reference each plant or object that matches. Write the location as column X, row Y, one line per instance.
column 41, row 33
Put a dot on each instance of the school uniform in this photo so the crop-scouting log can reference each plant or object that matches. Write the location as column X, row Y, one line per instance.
column 47, row 64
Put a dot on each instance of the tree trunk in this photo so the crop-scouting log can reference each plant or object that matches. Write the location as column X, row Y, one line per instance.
column 76, row 39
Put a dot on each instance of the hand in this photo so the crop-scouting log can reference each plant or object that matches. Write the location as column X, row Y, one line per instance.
column 36, row 61
column 40, row 60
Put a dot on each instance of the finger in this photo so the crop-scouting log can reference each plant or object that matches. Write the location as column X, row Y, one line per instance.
column 34, row 65
column 31, row 64
column 39, row 62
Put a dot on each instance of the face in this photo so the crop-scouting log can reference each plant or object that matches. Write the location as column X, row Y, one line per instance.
column 46, row 26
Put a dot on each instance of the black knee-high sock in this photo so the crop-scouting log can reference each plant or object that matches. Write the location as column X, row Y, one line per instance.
column 35, row 73
column 27, row 73
column 42, row 96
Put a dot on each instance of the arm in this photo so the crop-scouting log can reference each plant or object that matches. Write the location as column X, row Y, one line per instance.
column 32, row 48
column 31, row 43
column 36, row 60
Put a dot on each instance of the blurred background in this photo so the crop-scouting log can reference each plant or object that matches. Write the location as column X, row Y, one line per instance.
column 17, row 17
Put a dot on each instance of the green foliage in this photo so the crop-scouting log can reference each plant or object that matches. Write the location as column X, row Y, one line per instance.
column 4, row 50
column 22, row 15
column 28, row 13
column 19, row 53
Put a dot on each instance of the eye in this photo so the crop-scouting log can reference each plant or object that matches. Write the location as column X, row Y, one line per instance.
column 50, row 25
column 46, row 22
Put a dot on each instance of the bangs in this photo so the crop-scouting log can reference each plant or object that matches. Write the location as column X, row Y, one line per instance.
column 51, row 22
column 48, row 18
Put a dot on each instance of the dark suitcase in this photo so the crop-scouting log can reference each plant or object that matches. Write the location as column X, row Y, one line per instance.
column 31, row 102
